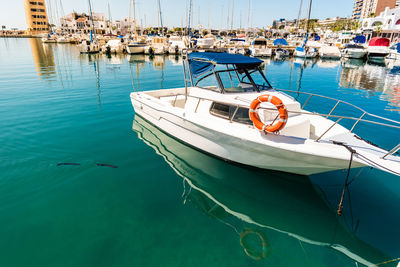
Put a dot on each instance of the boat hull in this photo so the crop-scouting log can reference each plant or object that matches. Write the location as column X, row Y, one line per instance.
column 348, row 53
column 231, row 148
column 135, row 49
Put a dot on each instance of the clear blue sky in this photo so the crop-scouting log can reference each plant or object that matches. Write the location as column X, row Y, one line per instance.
column 263, row 11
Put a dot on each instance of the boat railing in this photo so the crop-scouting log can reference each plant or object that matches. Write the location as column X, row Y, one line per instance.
column 385, row 122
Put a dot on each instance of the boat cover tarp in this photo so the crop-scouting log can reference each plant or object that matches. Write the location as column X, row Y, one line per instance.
column 398, row 47
column 300, row 49
column 280, row 42
column 317, row 38
column 360, row 39
column 238, row 40
column 378, row 41
column 202, row 62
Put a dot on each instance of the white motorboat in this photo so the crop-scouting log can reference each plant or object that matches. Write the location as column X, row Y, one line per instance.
column 205, row 43
column 329, row 52
column 114, row 46
column 237, row 46
column 354, row 51
column 176, row 45
column 394, row 52
column 259, row 48
column 305, row 52
column 87, row 47
column 378, row 49
column 237, row 120
column 344, row 39
column 63, row 40
column 280, row 53
column 49, row 39
column 136, row 47
column 229, row 193
column 159, row 46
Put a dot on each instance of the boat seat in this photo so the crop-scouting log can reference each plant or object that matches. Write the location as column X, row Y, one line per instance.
column 175, row 101
column 297, row 125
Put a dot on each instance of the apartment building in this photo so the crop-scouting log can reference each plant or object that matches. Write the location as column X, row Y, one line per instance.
column 371, row 8
column 36, row 16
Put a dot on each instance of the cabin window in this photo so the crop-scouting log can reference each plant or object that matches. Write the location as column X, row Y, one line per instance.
column 240, row 115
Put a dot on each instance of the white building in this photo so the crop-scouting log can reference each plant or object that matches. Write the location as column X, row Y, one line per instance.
column 81, row 23
column 387, row 24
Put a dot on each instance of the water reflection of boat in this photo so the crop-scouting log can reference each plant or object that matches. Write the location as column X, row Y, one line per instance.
column 176, row 60
column 352, row 63
column 328, row 64
column 304, row 62
column 275, row 207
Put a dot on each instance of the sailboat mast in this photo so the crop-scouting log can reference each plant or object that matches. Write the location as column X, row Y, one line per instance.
column 134, row 18
column 248, row 16
column 299, row 15
column 308, row 16
column 129, row 16
column 227, row 18
column 159, row 9
column 109, row 18
column 91, row 19
column 190, row 12
column 233, row 7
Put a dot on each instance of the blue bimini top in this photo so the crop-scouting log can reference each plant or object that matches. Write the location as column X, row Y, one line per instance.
column 280, row 42
column 202, row 62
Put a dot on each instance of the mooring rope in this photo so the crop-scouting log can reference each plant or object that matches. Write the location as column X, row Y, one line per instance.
column 386, row 262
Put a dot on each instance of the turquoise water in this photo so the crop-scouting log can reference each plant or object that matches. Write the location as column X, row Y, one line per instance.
column 136, row 197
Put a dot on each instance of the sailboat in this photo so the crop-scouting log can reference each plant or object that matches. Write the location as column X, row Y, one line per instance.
column 305, row 51
column 90, row 47
column 137, row 44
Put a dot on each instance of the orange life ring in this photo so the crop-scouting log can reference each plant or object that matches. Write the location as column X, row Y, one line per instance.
column 280, row 122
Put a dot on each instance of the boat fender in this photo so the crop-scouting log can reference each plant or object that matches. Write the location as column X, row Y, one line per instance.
column 273, row 127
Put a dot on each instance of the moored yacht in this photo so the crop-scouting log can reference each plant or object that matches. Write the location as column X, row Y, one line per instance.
column 329, row 52
column 394, row 52
column 305, row 52
column 378, row 49
column 259, row 48
column 176, row 45
column 353, row 51
column 136, row 46
column 243, row 119
column 88, row 47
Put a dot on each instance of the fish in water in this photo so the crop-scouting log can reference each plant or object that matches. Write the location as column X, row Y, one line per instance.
column 68, row 163
column 106, row 165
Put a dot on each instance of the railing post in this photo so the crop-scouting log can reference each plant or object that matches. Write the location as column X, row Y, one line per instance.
column 391, row 152
column 319, row 138
column 355, row 124
column 198, row 103
column 234, row 113
column 306, row 101
column 337, row 103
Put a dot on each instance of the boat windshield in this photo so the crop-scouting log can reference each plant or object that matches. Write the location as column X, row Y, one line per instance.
column 236, row 80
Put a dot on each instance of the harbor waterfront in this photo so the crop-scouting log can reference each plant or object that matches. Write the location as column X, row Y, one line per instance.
column 86, row 182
